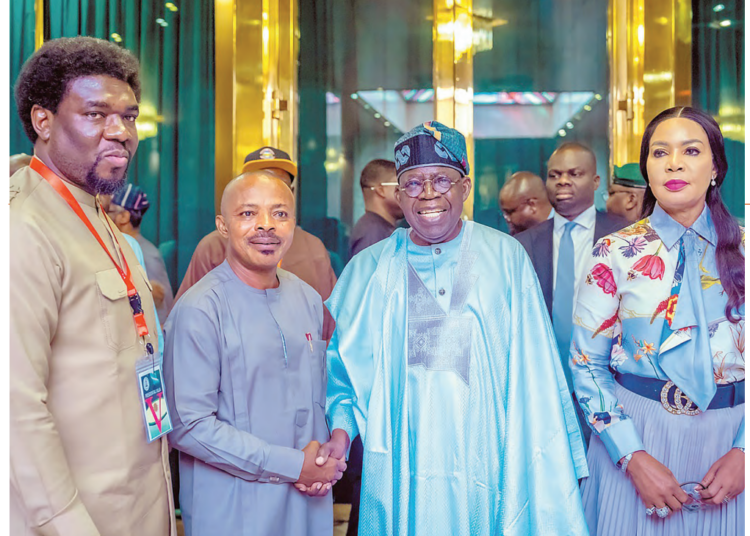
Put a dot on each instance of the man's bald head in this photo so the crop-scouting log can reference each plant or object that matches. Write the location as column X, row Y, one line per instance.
column 524, row 202
column 571, row 179
column 257, row 219
column 575, row 147
column 523, row 184
column 250, row 179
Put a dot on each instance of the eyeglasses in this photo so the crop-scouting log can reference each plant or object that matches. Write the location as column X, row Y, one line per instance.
column 695, row 501
column 414, row 187
column 383, row 184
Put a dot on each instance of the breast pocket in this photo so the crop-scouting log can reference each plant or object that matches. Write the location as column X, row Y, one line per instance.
column 319, row 374
column 115, row 310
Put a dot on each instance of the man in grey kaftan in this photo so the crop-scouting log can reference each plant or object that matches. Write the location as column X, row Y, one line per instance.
column 245, row 375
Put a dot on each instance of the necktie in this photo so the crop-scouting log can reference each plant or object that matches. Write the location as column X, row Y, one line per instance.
column 562, row 300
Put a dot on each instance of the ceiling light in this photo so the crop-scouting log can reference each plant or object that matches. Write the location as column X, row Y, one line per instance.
column 171, row 7
column 377, row 116
column 725, row 23
column 562, row 132
column 569, row 124
column 718, row 7
column 116, row 38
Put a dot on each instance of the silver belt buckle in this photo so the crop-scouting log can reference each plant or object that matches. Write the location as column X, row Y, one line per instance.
column 681, row 404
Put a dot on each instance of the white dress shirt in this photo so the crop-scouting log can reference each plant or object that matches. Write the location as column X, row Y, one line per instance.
column 583, row 240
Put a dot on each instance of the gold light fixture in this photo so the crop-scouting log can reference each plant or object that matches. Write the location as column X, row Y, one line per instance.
column 470, row 31
column 650, row 54
column 148, row 121
column 453, row 73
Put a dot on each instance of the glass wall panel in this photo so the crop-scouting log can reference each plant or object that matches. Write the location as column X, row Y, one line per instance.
column 540, row 79
column 359, row 61
column 719, row 84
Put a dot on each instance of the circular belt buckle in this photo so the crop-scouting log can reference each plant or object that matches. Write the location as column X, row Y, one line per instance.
column 682, row 404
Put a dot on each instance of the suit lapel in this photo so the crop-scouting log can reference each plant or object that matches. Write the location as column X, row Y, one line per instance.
column 600, row 227
column 606, row 224
column 543, row 261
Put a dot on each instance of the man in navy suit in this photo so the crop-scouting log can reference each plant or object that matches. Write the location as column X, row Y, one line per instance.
column 559, row 247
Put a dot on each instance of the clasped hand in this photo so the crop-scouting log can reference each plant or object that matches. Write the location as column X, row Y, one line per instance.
column 324, row 465
column 658, row 487
column 725, row 479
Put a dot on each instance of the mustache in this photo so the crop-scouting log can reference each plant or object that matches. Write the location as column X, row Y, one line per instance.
column 263, row 236
column 116, row 150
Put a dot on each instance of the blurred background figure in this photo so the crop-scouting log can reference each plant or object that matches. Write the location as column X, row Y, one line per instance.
column 378, row 183
column 524, row 202
column 625, row 194
column 560, row 246
column 17, row 161
column 127, row 207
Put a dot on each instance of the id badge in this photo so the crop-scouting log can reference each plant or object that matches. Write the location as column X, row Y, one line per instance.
column 153, row 399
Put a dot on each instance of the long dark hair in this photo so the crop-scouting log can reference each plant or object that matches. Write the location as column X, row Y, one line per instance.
column 729, row 261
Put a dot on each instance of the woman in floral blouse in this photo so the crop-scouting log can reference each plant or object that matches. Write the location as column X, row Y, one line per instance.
column 657, row 352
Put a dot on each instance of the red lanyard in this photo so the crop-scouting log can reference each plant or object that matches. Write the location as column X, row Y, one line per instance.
column 135, row 300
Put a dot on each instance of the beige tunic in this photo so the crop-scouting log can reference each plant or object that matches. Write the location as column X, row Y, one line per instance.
column 80, row 464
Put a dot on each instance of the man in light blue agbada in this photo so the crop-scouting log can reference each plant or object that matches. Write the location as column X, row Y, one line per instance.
column 444, row 361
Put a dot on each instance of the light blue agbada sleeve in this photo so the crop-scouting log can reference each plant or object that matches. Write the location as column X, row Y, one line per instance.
column 139, row 255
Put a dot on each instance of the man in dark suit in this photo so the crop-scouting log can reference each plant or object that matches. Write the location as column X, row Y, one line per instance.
column 559, row 247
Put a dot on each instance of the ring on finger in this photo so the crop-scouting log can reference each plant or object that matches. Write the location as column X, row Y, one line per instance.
column 663, row 511
column 650, row 511
column 726, row 499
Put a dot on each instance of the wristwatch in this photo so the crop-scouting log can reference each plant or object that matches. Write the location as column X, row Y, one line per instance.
column 623, row 463
column 740, row 448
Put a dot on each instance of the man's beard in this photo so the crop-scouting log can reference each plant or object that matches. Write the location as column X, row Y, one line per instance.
column 100, row 185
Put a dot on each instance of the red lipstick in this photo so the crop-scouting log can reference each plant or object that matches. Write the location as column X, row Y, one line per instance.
column 675, row 185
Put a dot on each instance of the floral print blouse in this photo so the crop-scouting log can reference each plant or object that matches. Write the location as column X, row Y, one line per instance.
column 652, row 305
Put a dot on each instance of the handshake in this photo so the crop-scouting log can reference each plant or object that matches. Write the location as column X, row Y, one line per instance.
column 324, row 465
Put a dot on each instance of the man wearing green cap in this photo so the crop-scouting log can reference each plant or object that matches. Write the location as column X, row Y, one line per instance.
column 625, row 197
column 444, row 361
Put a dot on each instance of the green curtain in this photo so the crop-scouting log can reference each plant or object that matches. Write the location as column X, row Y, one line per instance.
column 719, row 84
column 175, row 167
column 22, row 27
column 314, row 72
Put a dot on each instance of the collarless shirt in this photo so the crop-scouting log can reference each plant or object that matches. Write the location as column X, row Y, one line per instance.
column 435, row 265
column 583, row 240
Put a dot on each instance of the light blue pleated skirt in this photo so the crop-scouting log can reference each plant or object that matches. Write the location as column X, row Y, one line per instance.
column 688, row 446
